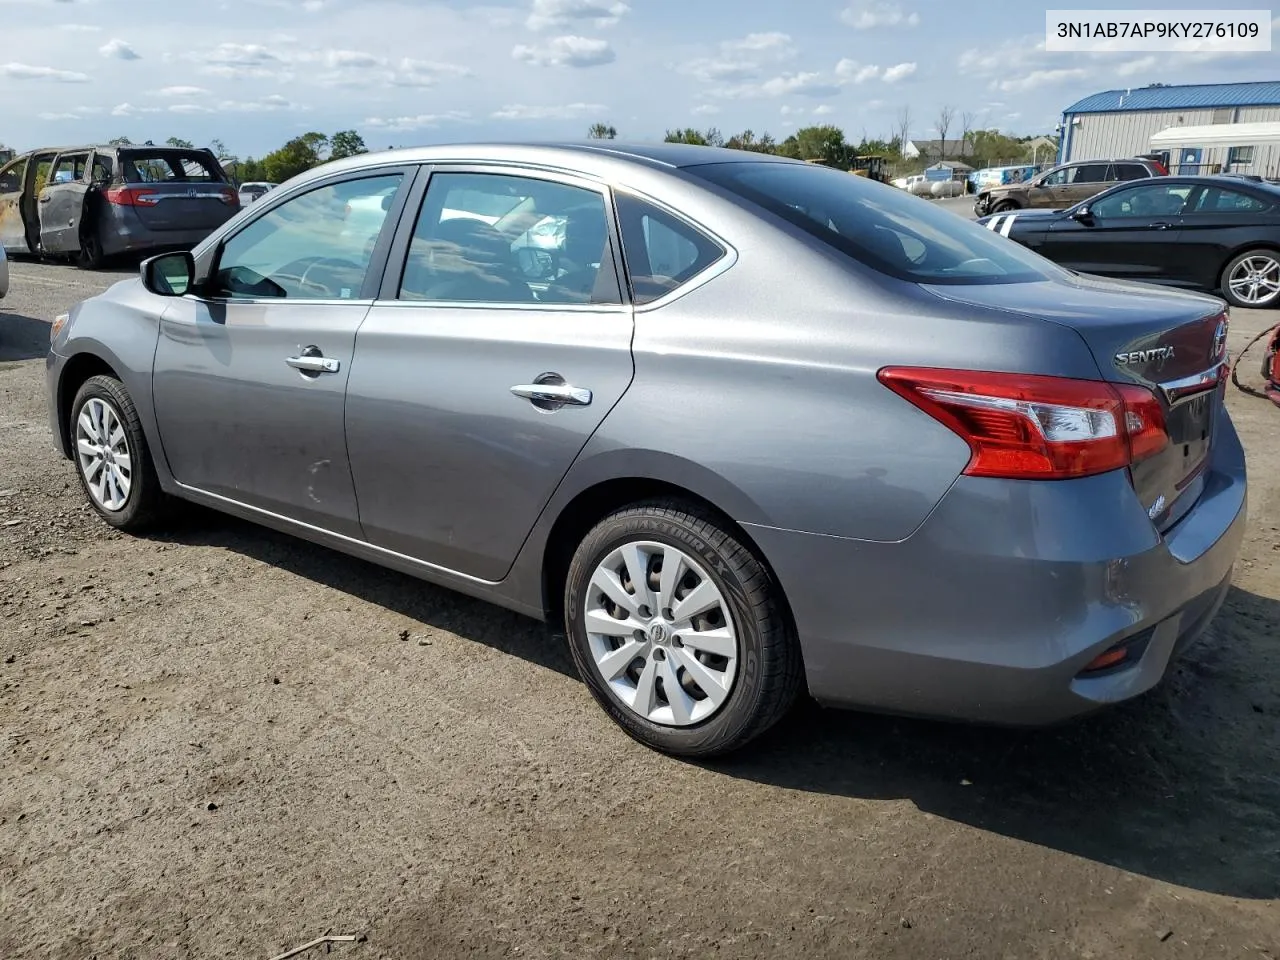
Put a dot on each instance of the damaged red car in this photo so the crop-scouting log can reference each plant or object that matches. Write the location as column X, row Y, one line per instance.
column 89, row 203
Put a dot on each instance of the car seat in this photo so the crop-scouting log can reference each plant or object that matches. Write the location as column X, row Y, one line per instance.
column 465, row 259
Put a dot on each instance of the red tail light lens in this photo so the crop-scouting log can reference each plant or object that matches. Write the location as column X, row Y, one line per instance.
column 1023, row 426
column 130, row 196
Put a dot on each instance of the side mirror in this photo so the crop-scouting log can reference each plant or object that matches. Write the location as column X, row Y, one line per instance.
column 1082, row 214
column 169, row 274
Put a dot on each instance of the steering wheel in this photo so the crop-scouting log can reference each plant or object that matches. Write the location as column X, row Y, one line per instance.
column 336, row 262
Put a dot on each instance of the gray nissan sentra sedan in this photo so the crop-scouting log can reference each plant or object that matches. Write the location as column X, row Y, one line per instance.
column 744, row 424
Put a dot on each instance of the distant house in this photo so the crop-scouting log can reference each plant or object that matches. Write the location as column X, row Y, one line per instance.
column 933, row 149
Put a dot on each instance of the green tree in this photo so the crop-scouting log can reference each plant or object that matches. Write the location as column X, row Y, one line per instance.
column 346, row 143
column 709, row 138
column 179, row 143
column 297, row 156
column 823, row 143
column 746, row 140
column 602, row 131
column 120, row 142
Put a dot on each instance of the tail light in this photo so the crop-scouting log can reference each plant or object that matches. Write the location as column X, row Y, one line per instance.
column 1028, row 427
column 130, row 196
column 230, row 196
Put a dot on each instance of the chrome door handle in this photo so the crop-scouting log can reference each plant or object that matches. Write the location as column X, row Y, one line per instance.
column 1161, row 225
column 553, row 393
column 314, row 364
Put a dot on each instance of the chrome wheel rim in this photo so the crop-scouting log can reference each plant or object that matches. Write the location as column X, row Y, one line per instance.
column 1255, row 280
column 102, row 450
column 661, row 634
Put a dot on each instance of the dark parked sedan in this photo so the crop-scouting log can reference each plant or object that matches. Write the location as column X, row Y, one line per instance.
column 1220, row 234
column 743, row 425
column 92, row 202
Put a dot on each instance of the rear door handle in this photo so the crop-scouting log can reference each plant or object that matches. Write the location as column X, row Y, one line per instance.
column 314, row 364
column 553, row 393
column 1161, row 225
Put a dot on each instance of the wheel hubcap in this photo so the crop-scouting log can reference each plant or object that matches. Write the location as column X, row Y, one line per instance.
column 660, row 634
column 102, row 450
column 1255, row 280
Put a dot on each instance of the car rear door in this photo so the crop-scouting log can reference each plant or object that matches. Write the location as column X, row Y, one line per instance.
column 1220, row 221
column 1131, row 233
column 1087, row 180
column 251, row 368
column 61, row 202
column 479, row 375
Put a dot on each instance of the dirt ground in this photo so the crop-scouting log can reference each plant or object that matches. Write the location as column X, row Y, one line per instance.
column 222, row 742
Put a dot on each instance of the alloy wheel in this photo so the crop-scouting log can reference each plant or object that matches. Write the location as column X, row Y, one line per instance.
column 661, row 634
column 102, row 451
column 1255, row 280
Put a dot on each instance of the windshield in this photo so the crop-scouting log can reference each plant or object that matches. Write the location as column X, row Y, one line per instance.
column 886, row 228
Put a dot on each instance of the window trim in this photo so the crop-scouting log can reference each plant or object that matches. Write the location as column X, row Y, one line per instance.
column 208, row 257
column 397, row 258
column 728, row 253
column 69, row 155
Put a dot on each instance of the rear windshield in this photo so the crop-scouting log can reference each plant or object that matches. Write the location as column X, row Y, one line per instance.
column 883, row 227
column 169, row 166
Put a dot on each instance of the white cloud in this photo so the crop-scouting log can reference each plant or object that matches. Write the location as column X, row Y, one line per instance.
column 706, row 110
column 23, row 71
column 1141, row 65
column 337, row 59
column 547, row 14
column 803, row 84
column 824, row 110
column 118, row 49
column 79, row 28
column 424, row 73
column 189, row 108
column 879, row 15
column 266, row 104
column 567, row 51
column 59, row 116
column 856, row 72
column 899, row 71
column 181, row 91
column 422, row 121
column 742, row 59
column 1040, row 78
column 518, row 111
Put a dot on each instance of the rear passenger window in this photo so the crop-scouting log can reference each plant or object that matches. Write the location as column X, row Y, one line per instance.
column 1130, row 171
column 1091, row 173
column 661, row 251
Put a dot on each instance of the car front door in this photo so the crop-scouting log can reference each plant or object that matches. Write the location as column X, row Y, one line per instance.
column 251, row 367
column 1130, row 232
column 62, row 203
column 1050, row 190
column 486, row 364
column 13, row 228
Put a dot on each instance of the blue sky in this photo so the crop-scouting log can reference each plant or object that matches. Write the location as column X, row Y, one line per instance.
column 255, row 72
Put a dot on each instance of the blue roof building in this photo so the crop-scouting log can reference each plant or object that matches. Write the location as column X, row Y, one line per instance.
column 1120, row 123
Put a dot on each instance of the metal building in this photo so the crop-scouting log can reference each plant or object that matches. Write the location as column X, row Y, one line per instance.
column 1120, row 123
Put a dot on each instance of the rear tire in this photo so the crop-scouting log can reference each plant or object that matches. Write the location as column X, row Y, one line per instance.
column 112, row 458
column 90, row 256
column 717, row 632
column 1252, row 280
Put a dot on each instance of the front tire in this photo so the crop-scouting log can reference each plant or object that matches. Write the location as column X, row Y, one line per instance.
column 679, row 631
column 111, row 455
column 1005, row 206
column 1252, row 280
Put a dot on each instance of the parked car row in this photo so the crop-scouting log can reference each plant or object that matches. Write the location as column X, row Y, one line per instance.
column 1219, row 234
column 88, row 203
column 752, row 411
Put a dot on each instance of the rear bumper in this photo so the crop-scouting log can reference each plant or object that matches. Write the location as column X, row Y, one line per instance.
column 990, row 611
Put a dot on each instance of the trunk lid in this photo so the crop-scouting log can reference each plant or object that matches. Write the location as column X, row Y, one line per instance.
column 1171, row 342
column 178, row 189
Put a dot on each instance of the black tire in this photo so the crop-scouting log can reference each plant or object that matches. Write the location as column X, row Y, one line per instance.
column 90, row 256
column 146, row 503
column 1225, row 287
column 1005, row 206
column 769, row 672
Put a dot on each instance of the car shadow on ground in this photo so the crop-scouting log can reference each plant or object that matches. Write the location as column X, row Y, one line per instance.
column 1182, row 785
column 22, row 337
